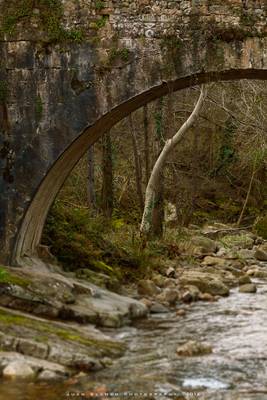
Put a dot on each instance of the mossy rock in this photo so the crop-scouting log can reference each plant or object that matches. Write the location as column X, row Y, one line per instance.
column 260, row 227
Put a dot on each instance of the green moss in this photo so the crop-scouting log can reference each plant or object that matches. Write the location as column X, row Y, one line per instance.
column 77, row 240
column 11, row 319
column 115, row 54
column 101, row 22
column 49, row 20
column 7, row 277
column 99, row 5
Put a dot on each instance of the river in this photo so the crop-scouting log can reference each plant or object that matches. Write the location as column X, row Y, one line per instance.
column 235, row 326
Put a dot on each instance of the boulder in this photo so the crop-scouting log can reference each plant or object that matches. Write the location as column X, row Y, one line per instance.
column 203, row 245
column 168, row 295
column 193, row 348
column 257, row 272
column 260, row 255
column 243, row 280
column 159, row 280
column 181, row 312
column 220, row 262
column 205, row 282
column 206, row 297
column 48, row 375
column 193, row 291
column 170, row 273
column 248, row 288
column 18, row 369
column 147, row 287
column 158, row 308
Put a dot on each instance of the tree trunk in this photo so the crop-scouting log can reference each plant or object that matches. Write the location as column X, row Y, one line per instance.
column 91, row 179
column 152, row 187
column 247, row 197
column 137, row 162
column 107, row 179
column 146, row 137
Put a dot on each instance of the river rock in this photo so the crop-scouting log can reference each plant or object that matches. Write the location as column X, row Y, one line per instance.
column 147, row 287
column 159, row 280
column 193, row 348
column 257, row 272
column 48, row 375
column 243, row 280
column 18, row 369
column 158, row 308
column 220, row 262
column 168, row 296
column 181, row 312
column 248, row 288
column 206, row 297
column 170, row 273
column 193, row 291
column 203, row 245
column 205, row 282
column 260, row 255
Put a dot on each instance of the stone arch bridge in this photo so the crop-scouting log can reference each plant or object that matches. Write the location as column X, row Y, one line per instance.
column 71, row 69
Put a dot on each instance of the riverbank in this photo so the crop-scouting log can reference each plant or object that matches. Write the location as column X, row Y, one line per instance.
column 55, row 326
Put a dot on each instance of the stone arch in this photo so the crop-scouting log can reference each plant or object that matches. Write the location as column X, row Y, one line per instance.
column 29, row 234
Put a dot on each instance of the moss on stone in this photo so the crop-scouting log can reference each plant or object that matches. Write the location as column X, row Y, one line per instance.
column 49, row 20
column 10, row 278
column 45, row 328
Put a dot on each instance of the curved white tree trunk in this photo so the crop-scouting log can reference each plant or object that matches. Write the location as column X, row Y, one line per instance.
column 145, row 227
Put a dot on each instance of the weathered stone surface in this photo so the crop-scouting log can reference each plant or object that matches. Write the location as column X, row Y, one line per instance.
column 202, row 245
column 205, row 282
column 49, row 294
column 257, row 272
column 193, row 348
column 18, row 369
column 35, row 364
column 220, row 262
column 260, row 255
column 243, row 280
column 248, row 288
column 158, row 308
column 147, row 287
column 168, row 296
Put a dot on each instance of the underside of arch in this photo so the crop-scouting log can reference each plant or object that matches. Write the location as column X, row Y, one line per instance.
column 30, row 232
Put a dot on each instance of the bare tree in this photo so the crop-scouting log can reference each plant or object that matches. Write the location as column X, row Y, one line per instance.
column 107, row 176
column 152, row 187
column 91, row 179
column 137, row 162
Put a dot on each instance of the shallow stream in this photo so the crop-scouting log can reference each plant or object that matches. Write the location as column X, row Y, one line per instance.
column 235, row 326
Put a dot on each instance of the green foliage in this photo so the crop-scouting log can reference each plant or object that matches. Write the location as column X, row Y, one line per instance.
column 99, row 5
column 115, row 54
column 227, row 150
column 260, row 227
column 78, row 241
column 49, row 18
column 101, row 22
column 3, row 91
